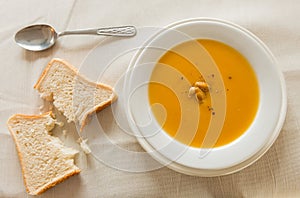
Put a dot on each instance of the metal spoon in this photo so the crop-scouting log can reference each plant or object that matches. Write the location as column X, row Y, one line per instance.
column 42, row 36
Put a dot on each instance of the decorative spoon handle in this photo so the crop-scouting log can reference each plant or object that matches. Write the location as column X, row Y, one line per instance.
column 122, row 31
column 117, row 31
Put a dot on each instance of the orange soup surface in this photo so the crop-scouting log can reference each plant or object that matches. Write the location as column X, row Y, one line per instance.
column 169, row 86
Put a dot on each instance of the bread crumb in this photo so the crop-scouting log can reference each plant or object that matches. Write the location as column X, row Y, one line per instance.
column 83, row 144
column 46, row 107
column 46, row 96
column 60, row 124
column 41, row 108
column 64, row 132
column 51, row 107
column 49, row 125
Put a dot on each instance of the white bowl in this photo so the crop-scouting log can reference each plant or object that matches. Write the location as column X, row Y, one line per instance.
column 221, row 160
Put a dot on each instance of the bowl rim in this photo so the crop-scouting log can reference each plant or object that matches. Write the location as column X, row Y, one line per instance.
column 224, row 170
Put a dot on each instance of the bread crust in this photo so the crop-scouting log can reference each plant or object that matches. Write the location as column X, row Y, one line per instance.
column 96, row 108
column 43, row 74
column 50, row 184
column 54, row 183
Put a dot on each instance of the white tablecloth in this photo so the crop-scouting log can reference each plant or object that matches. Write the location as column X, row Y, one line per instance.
column 276, row 174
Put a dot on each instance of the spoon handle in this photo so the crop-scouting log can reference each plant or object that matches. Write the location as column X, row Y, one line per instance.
column 121, row 31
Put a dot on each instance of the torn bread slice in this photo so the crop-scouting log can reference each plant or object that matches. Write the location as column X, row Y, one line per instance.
column 71, row 93
column 45, row 161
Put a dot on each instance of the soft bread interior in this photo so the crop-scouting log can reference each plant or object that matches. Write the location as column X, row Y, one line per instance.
column 45, row 161
column 71, row 93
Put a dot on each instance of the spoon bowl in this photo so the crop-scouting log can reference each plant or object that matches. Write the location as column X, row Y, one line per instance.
column 36, row 37
column 42, row 36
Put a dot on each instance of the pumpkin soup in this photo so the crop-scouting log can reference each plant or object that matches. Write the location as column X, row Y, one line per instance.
column 175, row 95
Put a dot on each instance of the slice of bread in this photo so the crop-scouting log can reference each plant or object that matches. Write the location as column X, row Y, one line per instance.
column 71, row 93
column 45, row 161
